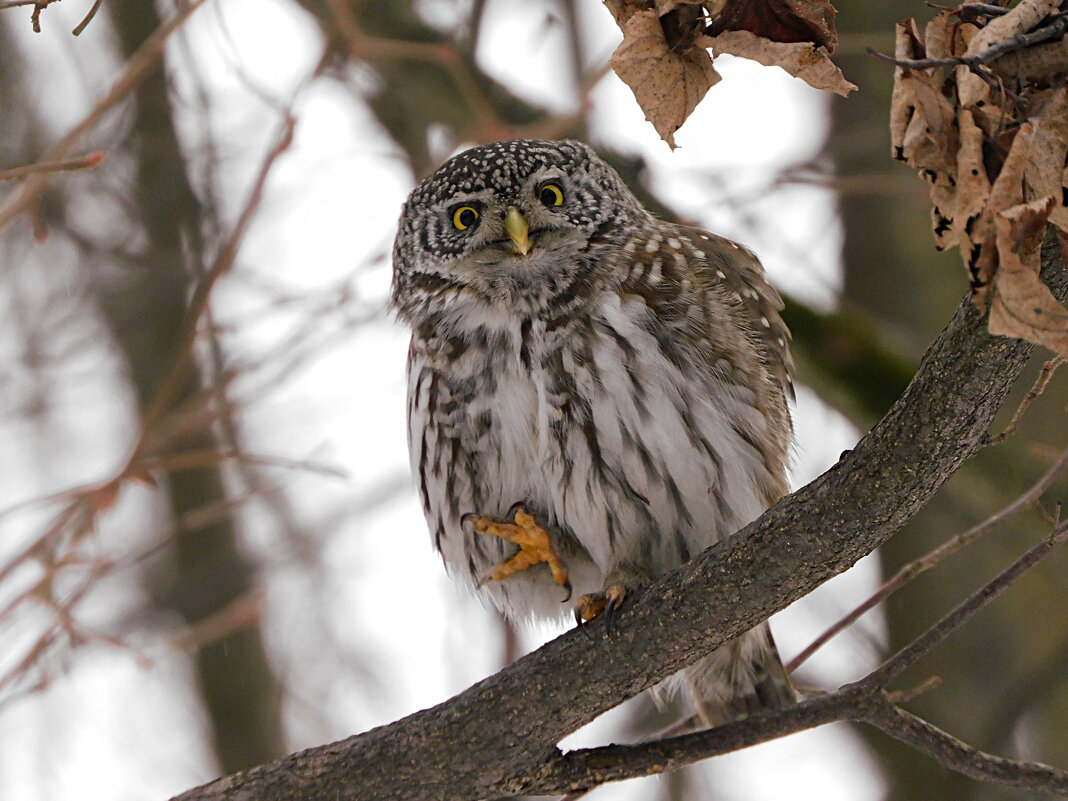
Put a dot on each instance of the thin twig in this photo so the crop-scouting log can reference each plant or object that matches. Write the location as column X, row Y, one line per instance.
column 85, row 162
column 138, row 66
column 191, row 460
column 912, row 652
column 972, row 11
column 88, row 18
column 913, row 569
column 364, row 47
column 1055, row 30
column 38, row 7
column 953, row 753
column 224, row 260
column 1044, row 377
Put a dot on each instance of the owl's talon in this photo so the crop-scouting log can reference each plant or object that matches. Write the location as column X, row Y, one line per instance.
column 614, row 597
column 567, row 587
column 581, row 624
column 533, row 541
column 601, row 603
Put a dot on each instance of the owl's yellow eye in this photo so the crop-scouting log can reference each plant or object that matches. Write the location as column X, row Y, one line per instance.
column 464, row 217
column 551, row 195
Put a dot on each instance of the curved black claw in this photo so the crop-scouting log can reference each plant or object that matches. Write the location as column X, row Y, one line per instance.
column 611, row 607
column 567, row 587
column 518, row 506
column 581, row 624
column 465, row 516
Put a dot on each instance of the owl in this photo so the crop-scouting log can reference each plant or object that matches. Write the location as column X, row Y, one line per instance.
column 594, row 395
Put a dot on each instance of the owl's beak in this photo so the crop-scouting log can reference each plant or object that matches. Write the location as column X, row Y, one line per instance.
column 518, row 229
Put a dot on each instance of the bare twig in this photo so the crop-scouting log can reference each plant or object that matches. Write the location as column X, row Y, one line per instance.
column 224, row 260
column 87, row 18
column 913, row 569
column 136, row 69
column 363, row 47
column 38, row 7
column 57, row 547
column 1055, row 30
column 191, row 460
column 908, row 655
column 85, row 162
column 1048, row 369
column 972, row 11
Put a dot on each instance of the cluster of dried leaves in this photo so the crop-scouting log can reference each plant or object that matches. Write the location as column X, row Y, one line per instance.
column 980, row 108
column 664, row 54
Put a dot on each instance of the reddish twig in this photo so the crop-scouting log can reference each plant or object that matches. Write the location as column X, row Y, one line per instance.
column 38, row 7
column 224, row 260
column 364, row 47
column 136, row 69
column 85, row 162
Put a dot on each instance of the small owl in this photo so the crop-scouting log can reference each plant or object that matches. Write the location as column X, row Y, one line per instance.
column 594, row 395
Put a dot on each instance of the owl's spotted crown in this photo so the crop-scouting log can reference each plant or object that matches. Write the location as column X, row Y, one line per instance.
column 499, row 166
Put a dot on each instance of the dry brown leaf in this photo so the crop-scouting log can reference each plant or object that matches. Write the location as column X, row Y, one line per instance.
column 1040, row 145
column 667, row 6
column 973, row 90
column 923, row 129
column 1020, row 304
column 1036, row 62
column 1005, row 177
column 938, row 36
column 902, row 103
column 800, row 59
column 780, row 21
column 1059, row 215
column 1023, row 18
column 622, row 10
column 1047, row 149
column 972, row 230
column 668, row 84
column 935, row 150
column 943, row 205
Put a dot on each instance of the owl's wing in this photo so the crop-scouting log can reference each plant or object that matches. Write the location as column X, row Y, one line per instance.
column 738, row 271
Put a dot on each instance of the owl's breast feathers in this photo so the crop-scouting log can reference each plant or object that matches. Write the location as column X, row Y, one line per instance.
column 640, row 413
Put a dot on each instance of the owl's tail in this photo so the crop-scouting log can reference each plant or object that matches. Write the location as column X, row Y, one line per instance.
column 739, row 678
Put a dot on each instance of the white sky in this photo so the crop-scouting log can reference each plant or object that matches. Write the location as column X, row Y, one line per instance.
column 331, row 206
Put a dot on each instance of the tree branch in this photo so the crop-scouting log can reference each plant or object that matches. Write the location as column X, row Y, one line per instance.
column 134, row 72
column 495, row 736
column 865, row 700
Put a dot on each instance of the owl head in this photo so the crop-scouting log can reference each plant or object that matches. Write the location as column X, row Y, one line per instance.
column 507, row 225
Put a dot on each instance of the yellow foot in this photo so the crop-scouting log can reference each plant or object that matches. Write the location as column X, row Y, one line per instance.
column 532, row 539
column 598, row 603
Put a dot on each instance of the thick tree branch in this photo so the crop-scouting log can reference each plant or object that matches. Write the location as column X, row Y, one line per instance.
column 866, row 701
column 495, row 736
